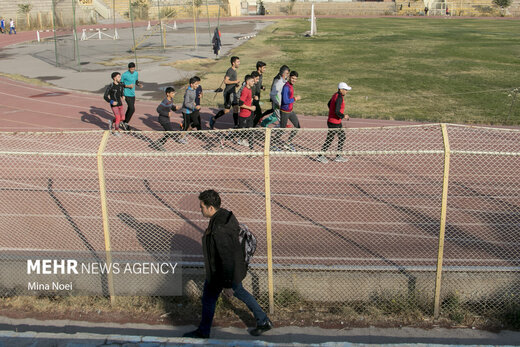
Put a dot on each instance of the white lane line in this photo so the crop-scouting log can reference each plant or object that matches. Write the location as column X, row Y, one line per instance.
column 36, row 126
column 41, row 112
column 13, row 111
column 37, row 100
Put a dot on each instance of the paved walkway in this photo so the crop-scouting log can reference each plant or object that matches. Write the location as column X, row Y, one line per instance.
column 31, row 332
column 23, row 55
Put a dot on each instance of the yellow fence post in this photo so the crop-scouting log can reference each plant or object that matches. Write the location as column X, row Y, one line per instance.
column 442, row 230
column 267, row 178
column 104, row 212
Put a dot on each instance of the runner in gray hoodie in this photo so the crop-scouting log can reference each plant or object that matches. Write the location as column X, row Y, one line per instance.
column 276, row 95
column 190, row 110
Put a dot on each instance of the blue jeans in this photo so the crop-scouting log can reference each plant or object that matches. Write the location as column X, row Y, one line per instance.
column 209, row 301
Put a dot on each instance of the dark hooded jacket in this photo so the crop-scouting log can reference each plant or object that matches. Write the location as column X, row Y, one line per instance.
column 216, row 41
column 224, row 258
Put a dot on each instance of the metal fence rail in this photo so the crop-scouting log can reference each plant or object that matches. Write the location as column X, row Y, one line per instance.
column 418, row 215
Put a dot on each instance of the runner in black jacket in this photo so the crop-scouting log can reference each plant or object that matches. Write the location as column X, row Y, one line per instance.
column 114, row 95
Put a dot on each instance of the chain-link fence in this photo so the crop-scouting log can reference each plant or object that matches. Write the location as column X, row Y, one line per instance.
column 162, row 31
column 332, row 233
column 94, row 35
column 65, row 35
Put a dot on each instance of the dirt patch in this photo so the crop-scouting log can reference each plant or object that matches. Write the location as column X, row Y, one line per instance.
column 235, row 314
column 20, row 78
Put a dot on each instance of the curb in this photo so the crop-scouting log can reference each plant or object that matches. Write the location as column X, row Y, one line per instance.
column 10, row 338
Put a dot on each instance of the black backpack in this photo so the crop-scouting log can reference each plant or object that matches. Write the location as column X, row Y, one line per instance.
column 247, row 241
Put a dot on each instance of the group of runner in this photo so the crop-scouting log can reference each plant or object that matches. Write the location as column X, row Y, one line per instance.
column 245, row 104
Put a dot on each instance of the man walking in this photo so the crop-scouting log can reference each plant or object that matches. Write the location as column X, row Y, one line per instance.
column 224, row 261
column 336, row 114
column 130, row 79
column 2, row 26
column 230, row 95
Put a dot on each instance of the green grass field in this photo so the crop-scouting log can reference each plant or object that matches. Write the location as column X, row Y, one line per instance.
column 437, row 70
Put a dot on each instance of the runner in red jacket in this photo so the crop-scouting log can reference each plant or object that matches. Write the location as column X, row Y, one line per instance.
column 336, row 114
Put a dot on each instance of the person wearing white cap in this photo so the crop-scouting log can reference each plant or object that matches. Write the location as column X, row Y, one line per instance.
column 336, row 114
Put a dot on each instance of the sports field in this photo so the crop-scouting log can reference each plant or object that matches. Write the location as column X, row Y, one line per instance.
column 425, row 69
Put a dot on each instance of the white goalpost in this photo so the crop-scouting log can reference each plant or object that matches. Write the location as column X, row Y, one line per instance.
column 313, row 22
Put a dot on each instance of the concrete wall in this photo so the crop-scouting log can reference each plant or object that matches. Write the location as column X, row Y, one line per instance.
column 40, row 16
column 332, row 8
column 9, row 8
column 466, row 8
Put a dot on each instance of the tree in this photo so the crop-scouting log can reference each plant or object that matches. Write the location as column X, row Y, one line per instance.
column 139, row 9
column 503, row 4
column 26, row 9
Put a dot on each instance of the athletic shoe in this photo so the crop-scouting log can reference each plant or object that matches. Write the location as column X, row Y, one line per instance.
column 196, row 334
column 183, row 141
column 260, row 329
column 212, row 123
column 110, row 122
column 123, row 126
column 322, row 159
column 275, row 149
column 116, row 133
column 340, row 159
column 244, row 143
column 290, row 147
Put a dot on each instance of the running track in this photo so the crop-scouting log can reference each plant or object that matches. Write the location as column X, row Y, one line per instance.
column 24, row 107
column 351, row 234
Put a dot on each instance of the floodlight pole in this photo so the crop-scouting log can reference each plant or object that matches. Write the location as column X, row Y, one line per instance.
column 133, row 31
column 160, row 24
column 54, row 31
column 194, row 22
column 116, row 36
column 114, row 13
column 76, row 46
column 209, row 26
